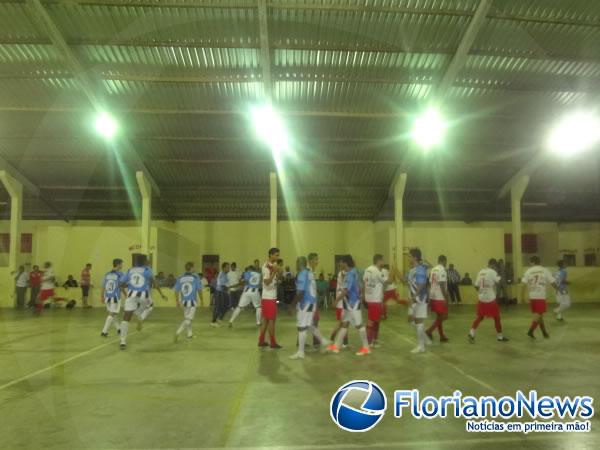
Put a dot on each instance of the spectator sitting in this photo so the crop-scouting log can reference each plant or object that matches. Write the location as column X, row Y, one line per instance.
column 466, row 281
column 170, row 282
column 161, row 281
column 71, row 282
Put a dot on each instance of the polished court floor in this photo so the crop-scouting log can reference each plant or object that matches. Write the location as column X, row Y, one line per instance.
column 62, row 386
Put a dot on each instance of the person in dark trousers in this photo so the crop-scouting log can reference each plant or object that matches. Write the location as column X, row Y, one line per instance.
column 453, row 283
column 221, row 296
column 35, row 281
column 21, row 282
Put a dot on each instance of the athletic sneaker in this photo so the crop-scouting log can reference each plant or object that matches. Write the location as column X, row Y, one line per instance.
column 471, row 338
column 375, row 344
column 363, row 351
column 333, row 348
column 418, row 350
column 546, row 336
column 191, row 336
column 502, row 339
column 530, row 334
column 123, row 346
column 444, row 339
column 263, row 344
column 297, row 356
column 215, row 325
column 275, row 346
column 104, row 334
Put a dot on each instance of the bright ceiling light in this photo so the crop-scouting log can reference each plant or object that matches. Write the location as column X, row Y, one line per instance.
column 429, row 129
column 575, row 133
column 270, row 128
column 105, row 125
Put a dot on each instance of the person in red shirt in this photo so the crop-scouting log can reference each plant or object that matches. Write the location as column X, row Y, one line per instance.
column 35, row 282
column 86, row 284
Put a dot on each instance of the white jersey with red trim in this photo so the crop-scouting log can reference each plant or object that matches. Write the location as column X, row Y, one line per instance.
column 269, row 291
column 486, row 285
column 437, row 276
column 537, row 279
column 374, row 280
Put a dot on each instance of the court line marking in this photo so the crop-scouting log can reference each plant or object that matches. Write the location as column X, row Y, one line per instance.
column 454, row 366
column 61, row 363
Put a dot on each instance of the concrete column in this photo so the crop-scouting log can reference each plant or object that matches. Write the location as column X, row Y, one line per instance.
column 516, row 195
column 15, row 190
column 146, row 192
column 273, row 220
column 399, row 187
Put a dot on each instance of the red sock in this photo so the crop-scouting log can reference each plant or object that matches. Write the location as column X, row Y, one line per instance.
column 332, row 337
column 476, row 322
column 498, row 324
column 534, row 325
column 376, row 332
column 440, row 328
column 433, row 326
column 261, row 337
column 370, row 333
column 272, row 339
column 543, row 327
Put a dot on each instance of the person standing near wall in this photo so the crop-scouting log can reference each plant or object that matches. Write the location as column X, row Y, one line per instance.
column 47, row 287
column 221, row 296
column 35, row 282
column 234, row 278
column 86, row 284
column 271, row 277
column 453, row 283
column 21, row 282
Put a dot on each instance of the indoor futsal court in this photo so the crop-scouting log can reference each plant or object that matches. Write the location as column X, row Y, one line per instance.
column 299, row 224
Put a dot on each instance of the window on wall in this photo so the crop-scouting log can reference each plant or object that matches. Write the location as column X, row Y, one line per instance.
column 569, row 259
column 590, row 260
column 26, row 242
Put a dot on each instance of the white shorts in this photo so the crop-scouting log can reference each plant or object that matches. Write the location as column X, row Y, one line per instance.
column 352, row 314
column 250, row 296
column 563, row 299
column 418, row 310
column 137, row 300
column 189, row 312
column 304, row 316
column 113, row 305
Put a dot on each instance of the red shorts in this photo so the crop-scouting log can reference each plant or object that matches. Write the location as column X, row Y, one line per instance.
column 316, row 316
column 45, row 294
column 390, row 295
column 269, row 308
column 537, row 306
column 490, row 309
column 374, row 311
column 339, row 312
column 439, row 306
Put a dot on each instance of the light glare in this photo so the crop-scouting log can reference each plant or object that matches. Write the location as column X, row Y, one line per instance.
column 574, row 134
column 270, row 128
column 429, row 129
column 105, row 125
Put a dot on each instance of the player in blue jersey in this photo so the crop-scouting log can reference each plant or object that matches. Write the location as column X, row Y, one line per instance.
column 251, row 294
column 111, row 295
column 305, row 302
column 139, row 281
column 188, row 289
column 351, row 305
column 562, row 293
column 417, row 281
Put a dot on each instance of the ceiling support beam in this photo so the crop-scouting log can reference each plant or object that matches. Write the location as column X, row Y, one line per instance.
column 265, row 49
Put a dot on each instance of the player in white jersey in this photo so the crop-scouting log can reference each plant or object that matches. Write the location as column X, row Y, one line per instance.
column 250, row 294
column 305, row 303
column 271, row 277
column 417, row 311
column 111, row 295
column 438, row 297
column 339, row 305
column 562, row 293
column 375, row 280
column 188, row 289
column 487, row 306
column 537, row 279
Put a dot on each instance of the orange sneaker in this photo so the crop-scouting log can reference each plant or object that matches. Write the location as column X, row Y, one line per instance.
column 333, row 348
column 363, row 351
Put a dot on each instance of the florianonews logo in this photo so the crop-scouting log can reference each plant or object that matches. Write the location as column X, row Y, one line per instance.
column 358, row 406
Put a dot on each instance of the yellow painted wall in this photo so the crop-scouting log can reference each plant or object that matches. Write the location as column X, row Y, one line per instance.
column 468, row 246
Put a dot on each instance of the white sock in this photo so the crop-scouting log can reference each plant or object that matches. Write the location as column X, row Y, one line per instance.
column 421, row 337
column 124, row 328
column 107, row 323
column 316, row 333
column 499, row 336
column 258, row 315
column 472, row 332
column 145, row 313
column 362, row 331
column 234, row 314
column 181, row 328
column 301, row 342
column 189, row 328
column 115, row 323
column 339, row 337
